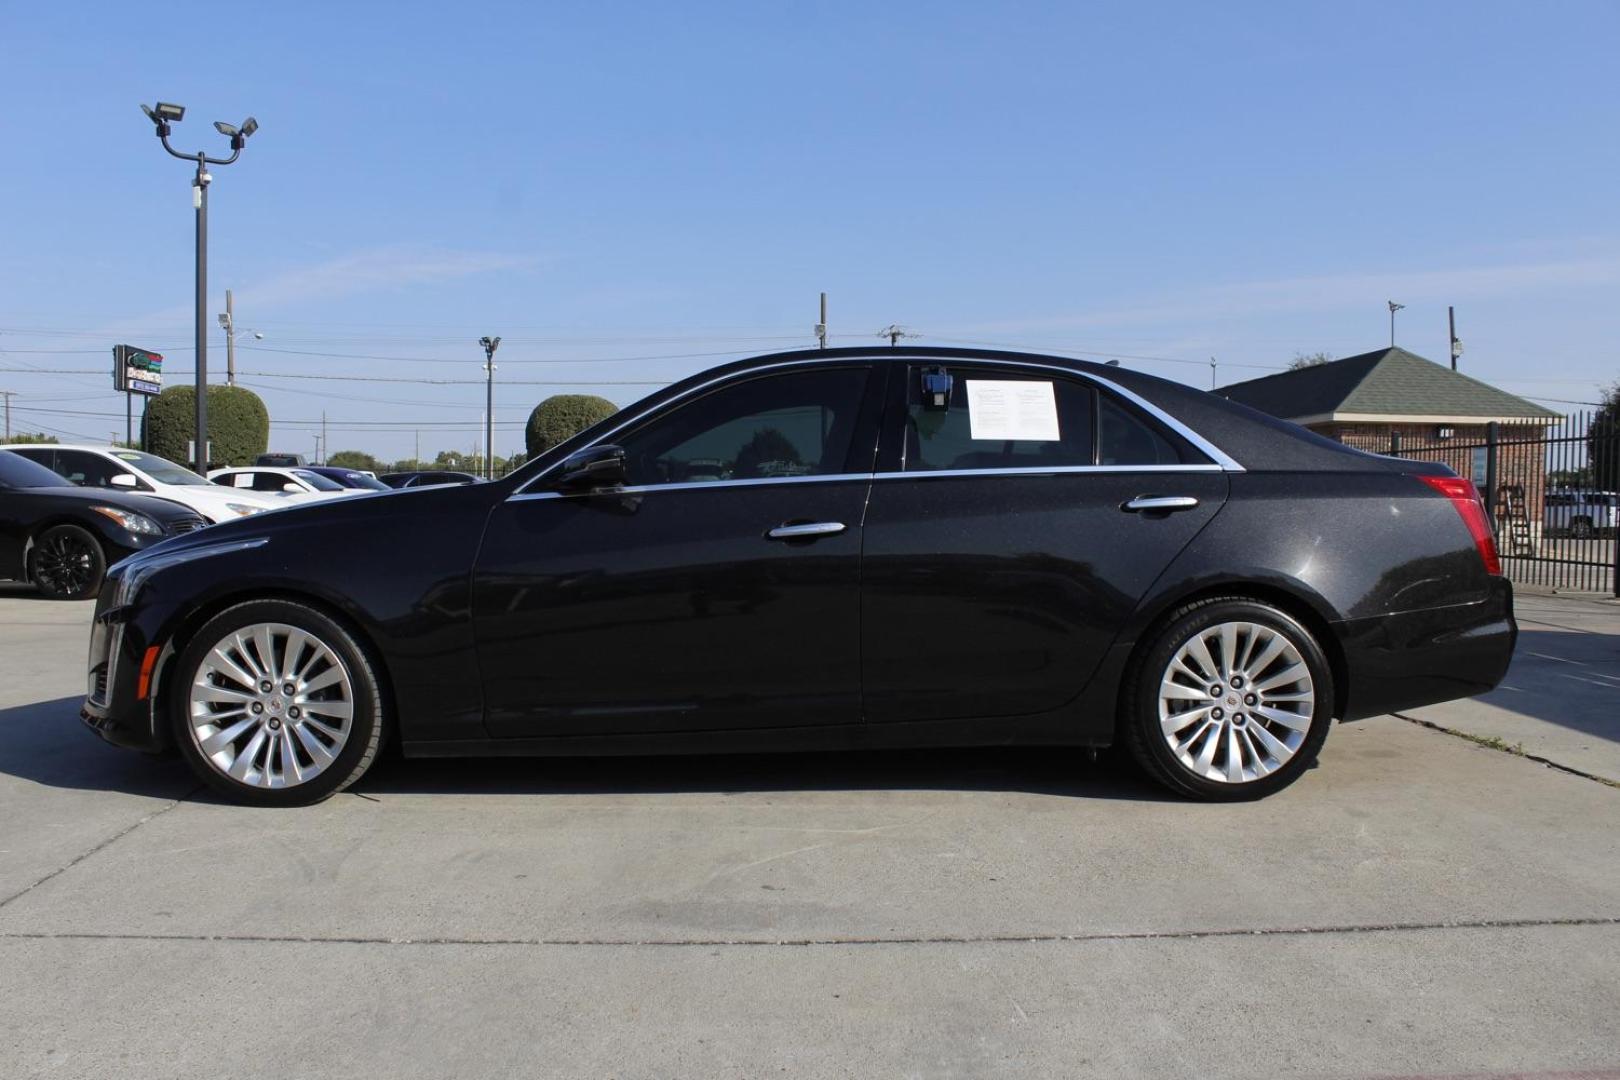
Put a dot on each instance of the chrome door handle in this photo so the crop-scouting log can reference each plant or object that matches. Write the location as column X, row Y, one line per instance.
column 1161, row 504
column 808, row 531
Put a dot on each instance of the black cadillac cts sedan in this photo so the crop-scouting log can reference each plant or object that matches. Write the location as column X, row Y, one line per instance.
column 842, row 548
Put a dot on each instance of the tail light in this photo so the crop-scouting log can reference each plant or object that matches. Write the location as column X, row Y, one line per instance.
column 1465, row 497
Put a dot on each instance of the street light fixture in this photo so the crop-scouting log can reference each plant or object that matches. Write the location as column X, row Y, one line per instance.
column 162, row 115
column 490, row 344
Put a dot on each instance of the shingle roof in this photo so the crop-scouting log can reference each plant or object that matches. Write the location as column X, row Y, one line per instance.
column 1388, row 382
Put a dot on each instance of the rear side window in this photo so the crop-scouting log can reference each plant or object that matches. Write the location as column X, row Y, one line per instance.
column 86, row 469
column 999, row 420
column 1124, row 438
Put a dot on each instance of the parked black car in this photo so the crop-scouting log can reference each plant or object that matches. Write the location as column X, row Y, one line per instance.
column 426, row 478
column 62, row 538
column 349, row 478
column 840, row 548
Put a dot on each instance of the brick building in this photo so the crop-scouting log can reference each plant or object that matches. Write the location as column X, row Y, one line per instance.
column 1394, row 401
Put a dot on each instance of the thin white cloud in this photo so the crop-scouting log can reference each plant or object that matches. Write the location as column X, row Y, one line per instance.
column 1328, row 293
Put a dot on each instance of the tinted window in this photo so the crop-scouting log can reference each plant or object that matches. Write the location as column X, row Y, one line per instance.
column 1123, row 438
column 269, row 481
column 983, row 403
column 799, row 424
column 46, row 458
column 87, row 469
column 317, row 481
column 159, row 469
column 18, row 471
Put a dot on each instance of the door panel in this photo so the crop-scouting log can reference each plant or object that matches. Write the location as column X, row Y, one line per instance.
column 668, row 609
column 997, row 595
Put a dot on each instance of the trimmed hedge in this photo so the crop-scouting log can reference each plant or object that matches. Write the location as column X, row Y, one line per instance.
column 238, row 424
column 355, row 459
column 562, row 417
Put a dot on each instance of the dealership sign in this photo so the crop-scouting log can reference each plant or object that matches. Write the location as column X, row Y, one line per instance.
column 137, row 371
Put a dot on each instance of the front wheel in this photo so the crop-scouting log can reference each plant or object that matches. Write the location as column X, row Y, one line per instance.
column 1581, row 528
column 275, row 703
column 1231, row 700
column 66, row 563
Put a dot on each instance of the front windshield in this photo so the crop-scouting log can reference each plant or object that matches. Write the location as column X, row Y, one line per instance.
column 361, row 480
column 18, row 472
column 317, row 481
column 159, row 469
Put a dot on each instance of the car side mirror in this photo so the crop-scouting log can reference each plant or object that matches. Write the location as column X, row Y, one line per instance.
column 124, row 480
column 591, row 468
column 291, row 488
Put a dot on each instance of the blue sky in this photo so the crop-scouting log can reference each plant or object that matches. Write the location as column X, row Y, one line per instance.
column 630, row 192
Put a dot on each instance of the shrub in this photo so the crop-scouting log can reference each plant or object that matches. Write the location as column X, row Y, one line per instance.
column 562, row 417
column 238, row 424
column 355, row 459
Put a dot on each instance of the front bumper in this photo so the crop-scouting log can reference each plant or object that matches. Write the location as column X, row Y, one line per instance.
column 1417, row 658
column 113, row 706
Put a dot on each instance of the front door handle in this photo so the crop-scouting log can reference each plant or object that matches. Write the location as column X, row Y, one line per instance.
column 1159, row 504
column 807, row 531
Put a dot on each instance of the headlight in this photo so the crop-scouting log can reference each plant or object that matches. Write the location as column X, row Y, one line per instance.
column 243, row 509
column 129, row 519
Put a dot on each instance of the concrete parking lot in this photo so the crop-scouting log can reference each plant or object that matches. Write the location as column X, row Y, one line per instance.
column 1419, row 904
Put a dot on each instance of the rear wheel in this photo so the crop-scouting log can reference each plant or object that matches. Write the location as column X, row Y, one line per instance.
column 1232, row 700
column 276, row 704
column 1581, row 528
column 66, row 563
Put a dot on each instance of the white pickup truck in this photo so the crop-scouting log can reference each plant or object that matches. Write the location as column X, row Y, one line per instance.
column 1581, row 513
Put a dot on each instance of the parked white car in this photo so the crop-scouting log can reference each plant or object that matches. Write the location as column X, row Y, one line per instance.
column 285, row 484
column 1581, row 513
column 133, row 470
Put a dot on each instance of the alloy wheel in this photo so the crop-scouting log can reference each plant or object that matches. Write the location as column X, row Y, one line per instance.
column 65, row 563
column 1236, row 702
column 271, row 705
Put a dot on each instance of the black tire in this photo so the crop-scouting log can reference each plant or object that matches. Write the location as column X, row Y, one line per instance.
column 1139, row 717
column 367, row 723
column 67, row 563
column 1581, row 528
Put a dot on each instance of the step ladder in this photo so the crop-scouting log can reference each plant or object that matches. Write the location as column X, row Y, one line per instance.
column 1513, row 520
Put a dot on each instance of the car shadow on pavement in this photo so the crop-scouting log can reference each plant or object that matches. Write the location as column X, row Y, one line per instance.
column 1032, row 770
column 1569, row 679
column 48, row 744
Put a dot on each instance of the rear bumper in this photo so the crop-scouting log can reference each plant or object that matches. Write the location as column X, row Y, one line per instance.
column 1422, row 657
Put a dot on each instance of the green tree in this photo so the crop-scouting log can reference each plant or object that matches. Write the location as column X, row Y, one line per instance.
column 31, row 437
column 563, row 416
column 1305, row 360
column 1603, row 442
column 355, row 459
column 238, row 424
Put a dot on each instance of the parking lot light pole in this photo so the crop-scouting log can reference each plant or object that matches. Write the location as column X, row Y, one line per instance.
column 162, row 115
column 490, row 344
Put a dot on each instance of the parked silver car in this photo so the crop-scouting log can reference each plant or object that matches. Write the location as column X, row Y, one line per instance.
column 1581, row 513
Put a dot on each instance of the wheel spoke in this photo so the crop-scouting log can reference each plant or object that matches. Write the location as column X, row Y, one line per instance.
column 1284, row 717
column 1228, row 640
column 1177, row 692
column 244, row 761
column 1200, row 652
column 330, row 677
column 220, row 658
column 1279, row 750
column 1293, row 673
column 338, row 710
column 292, row 651
column 1234, row 757
column 1273, row 649
column 222, row 738
column 246, row 653
column 317, row 749
column 224, row 695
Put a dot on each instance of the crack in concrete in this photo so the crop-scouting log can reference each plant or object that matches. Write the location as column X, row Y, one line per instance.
column 806, row 942
column 1503, row 748
column 111, row 840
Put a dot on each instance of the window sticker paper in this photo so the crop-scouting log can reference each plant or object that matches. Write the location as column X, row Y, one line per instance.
column 1018, row 411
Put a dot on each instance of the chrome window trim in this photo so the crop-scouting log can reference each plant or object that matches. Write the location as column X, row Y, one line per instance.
column 1050, row 470
column 1222, row 462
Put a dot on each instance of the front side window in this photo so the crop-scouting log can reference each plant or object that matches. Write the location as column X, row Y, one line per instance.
column 86, row 469
column 998, row 420
column 159, row 469
column 797, row 424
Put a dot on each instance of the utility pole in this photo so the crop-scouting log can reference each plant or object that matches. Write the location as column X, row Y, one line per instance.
column 317, row 439
column 230, row 341
column 1456, row 345
column 490, row 344
column 324, row 445
column 821, row 327
column 894, row 333
column 1393, row 308
column 7, row 395
column 417, row 457
column 162, row 115
column 1212, row 373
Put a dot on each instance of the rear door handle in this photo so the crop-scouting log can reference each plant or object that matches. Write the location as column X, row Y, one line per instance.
column 807, row 531
column 1159, row 504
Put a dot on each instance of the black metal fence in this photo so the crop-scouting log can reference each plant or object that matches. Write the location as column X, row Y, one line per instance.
column 1552, row 494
